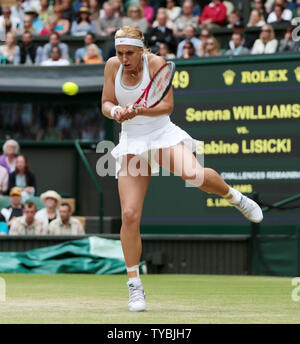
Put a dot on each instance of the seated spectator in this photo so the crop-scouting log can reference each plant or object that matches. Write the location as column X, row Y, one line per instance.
column 286, row 14
column 233, row 18
column 17, row 10
column 66, row 224
column 49, row 27
column 236, row 46
column 55, row 58
column 189, row 34
column 3, row 180
column 54, row 41
column 287, row 44
column 7, row 16
column 278, row 19
column 28, row 224
column 169, row 24
column 63, row 25
column 187, row 18
column 46, row 11
column 117, row 6
column 8, row 159
column 68, row 12
column 23, row 178
column 148, row 11
column 248, row 41
column 161, row 33
column 9, row 49
column 256, row 19
column 260, row 6
column 135, row 18
column 51, row 200
column 189, row 51
column 165, row 51
column 94, row 7
column 28, row 53
column 296, row 15
column 212, row 47
column 204, row 36
column 213, row 15
column 16, row 207
column 83, row 24
column 267, row 43
column 173, row 11
column 110, row 24
column 36, row 24
column 80, row 53
column 27, row 4
column 3, row 226
column 92, row 55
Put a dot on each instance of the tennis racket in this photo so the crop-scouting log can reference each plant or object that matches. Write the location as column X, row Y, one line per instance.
column 158, row 87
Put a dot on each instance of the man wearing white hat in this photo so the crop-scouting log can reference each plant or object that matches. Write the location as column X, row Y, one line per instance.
column 51, row 199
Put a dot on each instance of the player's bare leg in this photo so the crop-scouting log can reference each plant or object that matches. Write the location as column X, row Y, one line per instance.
column 182, row 162
column 132, row 191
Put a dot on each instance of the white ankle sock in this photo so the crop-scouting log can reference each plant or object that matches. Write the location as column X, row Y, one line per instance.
column 136, row 269
column 236, row 195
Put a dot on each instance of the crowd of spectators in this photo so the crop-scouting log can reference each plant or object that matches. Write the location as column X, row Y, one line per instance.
column 21, row 217
column 168, row 26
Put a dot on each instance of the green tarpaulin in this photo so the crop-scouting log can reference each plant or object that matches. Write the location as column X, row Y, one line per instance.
column 89, row 255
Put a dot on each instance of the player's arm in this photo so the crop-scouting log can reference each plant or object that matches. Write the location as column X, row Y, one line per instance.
column 166, row 105
column 108, row 94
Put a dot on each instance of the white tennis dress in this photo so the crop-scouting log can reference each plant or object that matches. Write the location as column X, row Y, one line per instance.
column 142, row 135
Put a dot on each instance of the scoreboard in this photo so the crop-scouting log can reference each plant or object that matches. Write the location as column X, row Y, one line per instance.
column 247, row 113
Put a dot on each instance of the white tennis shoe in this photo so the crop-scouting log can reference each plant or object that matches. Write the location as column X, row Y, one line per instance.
column 137, row 297
column 250, row 209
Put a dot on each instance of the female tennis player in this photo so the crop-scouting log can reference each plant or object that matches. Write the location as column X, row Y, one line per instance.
column 149, row 130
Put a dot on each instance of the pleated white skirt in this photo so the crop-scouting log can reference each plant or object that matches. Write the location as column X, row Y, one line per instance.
column 142, row 139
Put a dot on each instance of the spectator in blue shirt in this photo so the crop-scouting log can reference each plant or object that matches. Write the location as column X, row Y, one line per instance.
column 54, row 40
column 37, row 23
column 81, row 52
column 189, row 33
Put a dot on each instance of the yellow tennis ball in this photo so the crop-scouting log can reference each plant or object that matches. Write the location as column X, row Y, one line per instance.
column 70, row 88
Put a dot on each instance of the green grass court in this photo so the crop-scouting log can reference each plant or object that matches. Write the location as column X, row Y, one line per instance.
column 98, row 299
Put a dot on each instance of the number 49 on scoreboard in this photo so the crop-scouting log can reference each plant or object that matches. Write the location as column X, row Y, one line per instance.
column 181, row 79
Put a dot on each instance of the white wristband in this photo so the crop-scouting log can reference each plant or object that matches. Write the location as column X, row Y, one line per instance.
column 113, row 109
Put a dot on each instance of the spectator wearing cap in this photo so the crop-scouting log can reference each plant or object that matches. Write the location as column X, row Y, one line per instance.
column 237, row 47
column 23, row 178
column 28, row 224
column 286, row 13
column 82, row 25
column 266, row 43
column 190, row 36
column 8, row 17
column 239, row 27
column 213, row 15
column 51, row 200
column 54, row 40
column 256, row 19
column 66, row 224
column 11, row 150
column 31, row 18
column 16, row 207
column 80, row 53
